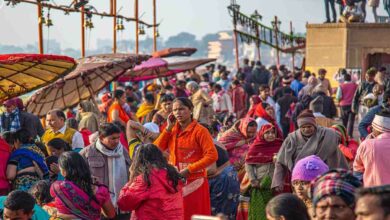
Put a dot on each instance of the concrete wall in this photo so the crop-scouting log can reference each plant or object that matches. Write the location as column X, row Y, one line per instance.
column 334, row 46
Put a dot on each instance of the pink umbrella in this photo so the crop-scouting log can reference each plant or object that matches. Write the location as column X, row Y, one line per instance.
column 158, row 67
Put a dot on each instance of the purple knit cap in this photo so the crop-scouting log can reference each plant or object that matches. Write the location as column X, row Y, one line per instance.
column 309, row 168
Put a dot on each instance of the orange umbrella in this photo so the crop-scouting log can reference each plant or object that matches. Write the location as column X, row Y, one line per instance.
column 22, row 73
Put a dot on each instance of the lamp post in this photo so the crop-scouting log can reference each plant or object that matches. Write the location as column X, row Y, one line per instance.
column 234, row 9
column 276, row 24
column 257, row 17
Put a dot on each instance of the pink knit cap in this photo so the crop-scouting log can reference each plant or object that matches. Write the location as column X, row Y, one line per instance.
column 309, row 168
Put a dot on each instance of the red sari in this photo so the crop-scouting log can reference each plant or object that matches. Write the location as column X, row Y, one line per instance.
column 233, row 139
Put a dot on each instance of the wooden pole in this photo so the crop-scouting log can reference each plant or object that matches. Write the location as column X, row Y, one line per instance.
column 82, row 32
column 235, row 38
column 154, row 26
column 114, row 26
column 40, row 32
column 111, row 11
column 277, row 42
column 293, row 54
column 136, row 27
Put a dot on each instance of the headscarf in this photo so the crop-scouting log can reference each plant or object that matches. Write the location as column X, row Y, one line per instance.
column 337, row 182
column 88, row 106
column 347, row 146
column 311, row 84
column 144, row 109
column 243, row 127
column 236, row 133
column 262, row 151
column 342, row 131
column 260, row 112
column 256, row 101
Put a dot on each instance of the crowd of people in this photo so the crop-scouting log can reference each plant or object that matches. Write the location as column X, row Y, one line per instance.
column 262, row 143
column 353, row 10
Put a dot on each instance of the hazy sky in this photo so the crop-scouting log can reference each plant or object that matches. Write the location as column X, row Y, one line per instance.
column 19, row 24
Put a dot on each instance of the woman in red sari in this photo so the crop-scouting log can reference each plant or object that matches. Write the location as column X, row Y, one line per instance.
column 254, row 100
column 237, row 140
column 260, row 167
column 191, row 150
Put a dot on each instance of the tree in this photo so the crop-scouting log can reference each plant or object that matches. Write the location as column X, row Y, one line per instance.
column 183, row 39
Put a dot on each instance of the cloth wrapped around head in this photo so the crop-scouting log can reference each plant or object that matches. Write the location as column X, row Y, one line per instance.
column 306, row 117
column 262, row 151
column 309, row 168
column 338, row 182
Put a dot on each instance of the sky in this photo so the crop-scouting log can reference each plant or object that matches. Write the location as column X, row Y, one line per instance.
column 19, row 24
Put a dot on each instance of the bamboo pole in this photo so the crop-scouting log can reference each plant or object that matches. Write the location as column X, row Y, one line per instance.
column 82, row 32
column 136, row 27
column 40, row 32
column 114, row 26
column 154, row 26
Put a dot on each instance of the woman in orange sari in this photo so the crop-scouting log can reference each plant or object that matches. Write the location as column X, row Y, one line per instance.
column 116, row 111
column 191, row 150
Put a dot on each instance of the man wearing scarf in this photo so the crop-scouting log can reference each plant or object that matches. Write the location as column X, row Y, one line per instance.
column 372, row 158
column 109, row 162
column 309, row 139
column 10, row 120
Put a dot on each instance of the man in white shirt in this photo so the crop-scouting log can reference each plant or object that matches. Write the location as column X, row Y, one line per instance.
column 55, row 120
column 222, row 102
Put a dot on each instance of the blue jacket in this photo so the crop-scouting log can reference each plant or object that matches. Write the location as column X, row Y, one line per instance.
column 296, row 86
column 367, row 120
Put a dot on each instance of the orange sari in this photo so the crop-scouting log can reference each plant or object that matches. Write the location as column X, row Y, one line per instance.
column 122, row 113
column 193, row 148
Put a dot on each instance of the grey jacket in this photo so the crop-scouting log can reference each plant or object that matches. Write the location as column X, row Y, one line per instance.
column 98, row 163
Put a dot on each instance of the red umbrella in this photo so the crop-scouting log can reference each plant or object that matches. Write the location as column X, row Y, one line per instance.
column 92, row 74
column 22, row 73
column 157, row 67
column 170, row 52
